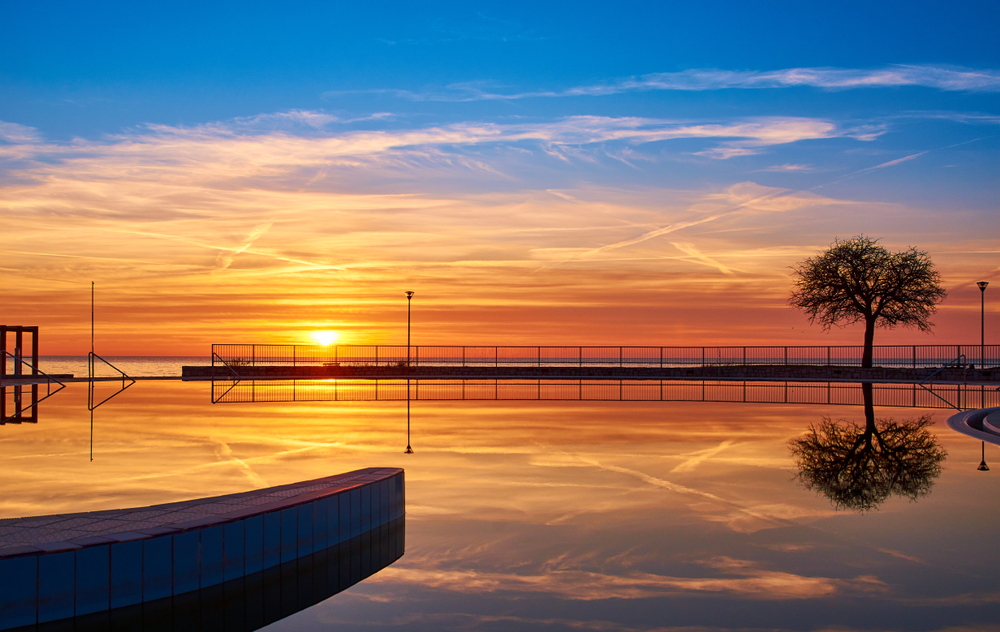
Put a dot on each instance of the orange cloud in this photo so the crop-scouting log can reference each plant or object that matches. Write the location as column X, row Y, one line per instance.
column 197, row 235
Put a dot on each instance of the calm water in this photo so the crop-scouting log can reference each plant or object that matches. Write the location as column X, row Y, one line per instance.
column 553, row 515
column 168, row 366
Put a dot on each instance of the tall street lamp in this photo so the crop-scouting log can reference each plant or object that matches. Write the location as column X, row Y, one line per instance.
column 982, row 323
column 409, row 297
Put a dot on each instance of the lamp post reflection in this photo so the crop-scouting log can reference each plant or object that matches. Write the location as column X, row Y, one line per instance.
column 408, row 450
column 982, row 464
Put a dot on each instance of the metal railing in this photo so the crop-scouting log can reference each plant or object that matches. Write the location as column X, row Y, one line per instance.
column 902, row 356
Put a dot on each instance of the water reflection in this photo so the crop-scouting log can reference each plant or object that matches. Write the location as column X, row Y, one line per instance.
column 858, row 468
column 555, row 515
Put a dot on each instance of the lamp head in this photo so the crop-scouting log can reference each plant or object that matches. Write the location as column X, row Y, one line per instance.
column 409, row 295
column 982, row 285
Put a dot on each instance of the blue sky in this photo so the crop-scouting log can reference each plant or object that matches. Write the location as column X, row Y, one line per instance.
column 845, row 118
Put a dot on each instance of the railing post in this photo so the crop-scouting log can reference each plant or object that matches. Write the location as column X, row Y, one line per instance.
column 253, row 355
column 580, row 351
column 914, row 356
column 620, row 358
column 828, row 356
column 34, row 357
column 539, row 360
column 744, row 357
column 294, row 354
column 703, row 357
column 661, row 366
column 496, row 356
column 786, row 364
column 463, row 366
column 376, row 359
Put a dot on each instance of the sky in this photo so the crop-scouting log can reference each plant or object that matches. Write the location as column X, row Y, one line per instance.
column 563, row 173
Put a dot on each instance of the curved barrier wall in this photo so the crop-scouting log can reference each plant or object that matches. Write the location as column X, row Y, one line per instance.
column 80, row 565
column 982, row 424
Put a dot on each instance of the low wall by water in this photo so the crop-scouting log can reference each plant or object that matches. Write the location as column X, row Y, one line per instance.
column 78, row 565
column 726, row 372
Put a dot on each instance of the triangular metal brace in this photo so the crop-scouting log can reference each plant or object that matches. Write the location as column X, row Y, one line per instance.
column 90, row 398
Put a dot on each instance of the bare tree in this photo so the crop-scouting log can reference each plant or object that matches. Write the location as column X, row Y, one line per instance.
column 857, row 279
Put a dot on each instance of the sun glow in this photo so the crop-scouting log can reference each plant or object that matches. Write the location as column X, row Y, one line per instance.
column 325, row 338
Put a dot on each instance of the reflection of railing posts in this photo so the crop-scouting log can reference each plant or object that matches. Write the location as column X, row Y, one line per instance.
column 895, row 395
column 35, row 400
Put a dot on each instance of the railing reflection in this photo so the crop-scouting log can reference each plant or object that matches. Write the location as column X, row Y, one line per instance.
column 850, row 394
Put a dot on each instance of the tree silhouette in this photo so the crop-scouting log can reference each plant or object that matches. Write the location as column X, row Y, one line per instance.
column 859, row 468
column 858, row 279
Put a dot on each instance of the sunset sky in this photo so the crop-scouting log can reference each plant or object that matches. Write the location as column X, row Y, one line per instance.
column 538, row 173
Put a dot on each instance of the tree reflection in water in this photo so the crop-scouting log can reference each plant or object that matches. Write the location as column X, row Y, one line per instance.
column 859, row 468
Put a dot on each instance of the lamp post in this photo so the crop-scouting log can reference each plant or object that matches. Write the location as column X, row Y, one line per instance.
column 409, row 297
column 982, row 323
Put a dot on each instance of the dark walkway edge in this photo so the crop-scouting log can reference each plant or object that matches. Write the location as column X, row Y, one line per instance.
column 144, row 554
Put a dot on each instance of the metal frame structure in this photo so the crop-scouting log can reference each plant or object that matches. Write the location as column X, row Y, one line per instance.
column 18, row 354
column 22, row 413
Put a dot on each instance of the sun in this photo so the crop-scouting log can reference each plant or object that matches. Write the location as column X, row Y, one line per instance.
column 325, row 338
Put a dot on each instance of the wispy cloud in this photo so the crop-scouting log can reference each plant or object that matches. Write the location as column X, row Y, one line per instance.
column 894, row 162
column 745, row 197
column 788, row 168
column 737, row 578
column 18, row 134
column 225, row 258
column 697, row 256
column 697, row 80
column 253, row 146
